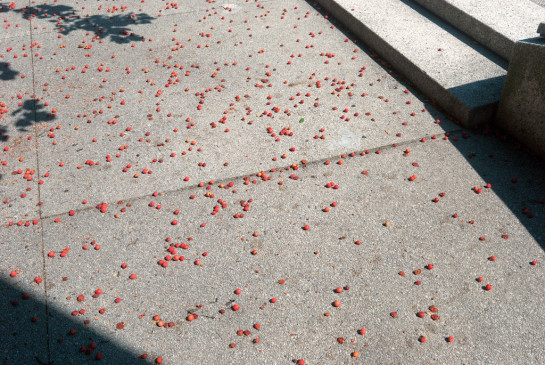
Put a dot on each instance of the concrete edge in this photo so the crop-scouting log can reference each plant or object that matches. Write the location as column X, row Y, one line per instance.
column 474, row 28
column 420, row 79
column 520, row 112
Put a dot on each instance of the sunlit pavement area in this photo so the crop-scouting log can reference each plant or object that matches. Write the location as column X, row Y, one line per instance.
column 202, row 182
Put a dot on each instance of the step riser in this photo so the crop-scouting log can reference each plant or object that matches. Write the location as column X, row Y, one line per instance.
column 419, row 78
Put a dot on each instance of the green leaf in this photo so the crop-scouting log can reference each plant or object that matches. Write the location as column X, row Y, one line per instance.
column 301, row 120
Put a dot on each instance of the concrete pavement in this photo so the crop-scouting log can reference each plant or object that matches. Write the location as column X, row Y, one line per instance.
column 157, row 156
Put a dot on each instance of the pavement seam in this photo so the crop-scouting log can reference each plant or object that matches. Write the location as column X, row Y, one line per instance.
column 37, row 144
column 227, row 179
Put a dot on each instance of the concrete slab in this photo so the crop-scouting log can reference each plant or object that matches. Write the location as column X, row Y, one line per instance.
column 497, row 25
column 403, row 225
column 541, row 29
column 464, row 78
column 154, row 120
column 316, row 261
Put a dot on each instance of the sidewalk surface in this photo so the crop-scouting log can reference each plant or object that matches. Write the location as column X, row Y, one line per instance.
column 227, row 182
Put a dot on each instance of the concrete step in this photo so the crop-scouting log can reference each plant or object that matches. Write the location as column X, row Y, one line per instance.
column 463, row 77
column 497, row 24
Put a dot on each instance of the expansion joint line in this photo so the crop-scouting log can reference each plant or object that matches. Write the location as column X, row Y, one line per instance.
column 41, row 228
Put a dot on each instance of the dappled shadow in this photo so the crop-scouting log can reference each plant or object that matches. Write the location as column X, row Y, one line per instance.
column 6, row 73
column 114, row 27
column 30, row 113
column 3, row 138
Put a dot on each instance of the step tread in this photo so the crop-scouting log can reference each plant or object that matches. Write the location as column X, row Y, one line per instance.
column 474, row 74
column 497, row 24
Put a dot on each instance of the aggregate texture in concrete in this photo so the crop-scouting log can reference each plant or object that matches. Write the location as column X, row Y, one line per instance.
column 522, row 107
column 226, row 183
column 495, row 24
column 462, row 76
column 184, row 105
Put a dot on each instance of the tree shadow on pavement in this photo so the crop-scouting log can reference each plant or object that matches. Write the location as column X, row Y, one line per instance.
column 6, row 73
column 65, row 19
column 30, row 333
column 29, row 113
